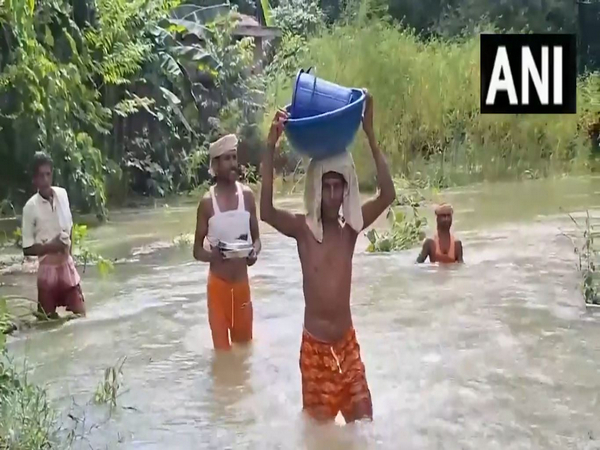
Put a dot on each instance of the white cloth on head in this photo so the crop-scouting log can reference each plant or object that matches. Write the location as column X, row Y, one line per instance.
column 351, row 206
column 221, row 146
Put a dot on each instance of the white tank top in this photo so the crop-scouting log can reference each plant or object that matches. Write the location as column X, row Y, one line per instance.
column 228, row 226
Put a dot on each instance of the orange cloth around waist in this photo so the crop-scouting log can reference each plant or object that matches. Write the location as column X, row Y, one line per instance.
column 333, row 376
column 441, row 257
column 229, row 311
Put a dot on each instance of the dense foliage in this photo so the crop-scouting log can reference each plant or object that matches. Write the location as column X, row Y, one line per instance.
column 451, row 17
column 427, row 96
column 126, row 94
column 123, row 94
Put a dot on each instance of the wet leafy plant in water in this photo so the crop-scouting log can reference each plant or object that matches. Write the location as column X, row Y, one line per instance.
column 414, row 199
column 10, row 321
column 7, row 321
column 83, row 255
column 108, row 389
column 414, row 191
column 27, row 421
column 406, row 232
column 587, row 257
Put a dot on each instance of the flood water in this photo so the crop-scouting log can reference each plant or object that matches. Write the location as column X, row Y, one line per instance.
column 497, row 354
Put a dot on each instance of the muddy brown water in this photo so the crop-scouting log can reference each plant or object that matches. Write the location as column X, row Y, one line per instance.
column 500, row 353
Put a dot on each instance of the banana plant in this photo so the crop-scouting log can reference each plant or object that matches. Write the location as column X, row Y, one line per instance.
column 266, row 10
column 182, row 43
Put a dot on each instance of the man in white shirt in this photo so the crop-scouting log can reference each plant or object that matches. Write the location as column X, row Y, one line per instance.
column 227, row 213
column 47, row 231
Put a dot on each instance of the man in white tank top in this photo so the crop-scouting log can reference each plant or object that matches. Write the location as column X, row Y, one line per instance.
column 227, row 213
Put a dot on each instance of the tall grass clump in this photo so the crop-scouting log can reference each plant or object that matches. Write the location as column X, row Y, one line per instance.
column 587, row 254
column 27, row 420
column 427, row 108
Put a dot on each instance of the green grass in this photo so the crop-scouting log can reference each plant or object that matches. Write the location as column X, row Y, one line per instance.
column 27, row 420
column 107, row 390
column 587, row 254
column 427, row 109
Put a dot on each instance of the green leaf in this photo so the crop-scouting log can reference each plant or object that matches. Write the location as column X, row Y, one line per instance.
column 130, row 106
column 105, row 267
column 194, row 53
column 162, row 36
column 266, row 7
column 200, row 14
column 186, row 27
column 171, row 66
column 170, row 97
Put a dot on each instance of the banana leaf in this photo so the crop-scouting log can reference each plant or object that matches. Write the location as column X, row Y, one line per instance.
column 199, row 14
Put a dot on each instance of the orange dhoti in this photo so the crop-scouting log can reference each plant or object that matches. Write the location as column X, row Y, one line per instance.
column 334, row 379
column 229, row 311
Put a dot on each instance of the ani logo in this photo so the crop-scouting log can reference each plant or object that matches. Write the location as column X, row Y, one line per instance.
column 528, row 74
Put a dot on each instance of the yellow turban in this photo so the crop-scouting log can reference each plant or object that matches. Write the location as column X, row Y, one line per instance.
column 444, row 208
column 221, row 146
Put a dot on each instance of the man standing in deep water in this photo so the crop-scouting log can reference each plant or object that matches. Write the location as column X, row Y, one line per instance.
column 227, row 213
column 333, row 375
column 443, row 248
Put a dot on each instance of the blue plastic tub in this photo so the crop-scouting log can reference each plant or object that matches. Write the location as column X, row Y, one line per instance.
column 328, row 134
column 313, row 96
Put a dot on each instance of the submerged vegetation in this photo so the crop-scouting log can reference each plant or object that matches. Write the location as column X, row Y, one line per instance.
column 108, row 389
column 407, row 224
column 587, row 258
column 84, row 256
column 406, row 231
column 28, row 421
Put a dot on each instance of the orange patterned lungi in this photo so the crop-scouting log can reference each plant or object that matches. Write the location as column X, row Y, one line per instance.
column 229, row 311
column 333, row 377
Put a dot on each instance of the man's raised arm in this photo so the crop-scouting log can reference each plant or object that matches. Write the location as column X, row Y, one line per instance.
column 373, row 208
column 285, row 222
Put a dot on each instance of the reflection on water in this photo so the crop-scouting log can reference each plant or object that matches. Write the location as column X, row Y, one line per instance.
column 230, row 376
column 496, row 354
